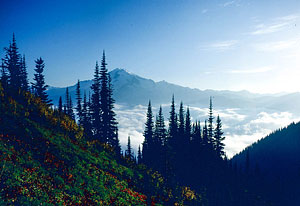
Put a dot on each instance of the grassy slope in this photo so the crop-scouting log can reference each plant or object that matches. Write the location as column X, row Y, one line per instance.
column 44, row 158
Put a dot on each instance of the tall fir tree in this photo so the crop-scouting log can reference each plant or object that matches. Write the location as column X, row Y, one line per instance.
column 24, row 75
column 4, row 75
column 78, row 105
column 148, row 134
column 159, row 141
column 128, row 152
column 39, row 85
column 160, row 129
column 181, row 125
column 69, row 105
column 86, row 120
column 12, row 62
column 205, row 135
column 117, row 145
column 67, row 102
column 112, row 122
column 188, row 126
column 210, row 128
column 104, row 101
column 219, row 138
column 95, row 105
column 70, row 108
column 60, row 105
column 173, row 126
column 139, row 157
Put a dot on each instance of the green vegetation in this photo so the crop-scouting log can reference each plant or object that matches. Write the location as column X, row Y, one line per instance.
column 46, row 159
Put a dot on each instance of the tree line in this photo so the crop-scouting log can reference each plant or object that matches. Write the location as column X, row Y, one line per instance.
column 95, row 114
column 185, row 152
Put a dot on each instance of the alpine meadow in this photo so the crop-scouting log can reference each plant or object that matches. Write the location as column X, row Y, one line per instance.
column 150, row 102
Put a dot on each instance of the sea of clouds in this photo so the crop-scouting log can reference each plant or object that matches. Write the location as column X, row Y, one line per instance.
column 241, row 127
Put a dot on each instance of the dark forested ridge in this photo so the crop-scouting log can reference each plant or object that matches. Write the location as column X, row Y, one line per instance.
column 70, row 154
column 275, row 162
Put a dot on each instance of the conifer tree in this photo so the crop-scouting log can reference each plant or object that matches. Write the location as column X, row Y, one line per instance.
column 117, row 146
column 112, row 122
column 104, row 102
column 4, row 75
column 188, row 128
column 205, row 135
column 197, row 137
column 67, row 102
column 86, row 120
column 39, row 85
column 159, row 141
column 181, row 124
column 210, row 122
column 60, row 105
column 148, row 134
column 95, row 105
column 160, row 130
column 12, row 62
column 23, row 75
column 128, row 152
column 173, row 122
column 219, row 138
column 70, row 109
column 78, row 106
column 69, row 105
column 139, row 157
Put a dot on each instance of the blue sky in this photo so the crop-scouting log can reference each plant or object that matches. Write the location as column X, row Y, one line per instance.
column 236, row 45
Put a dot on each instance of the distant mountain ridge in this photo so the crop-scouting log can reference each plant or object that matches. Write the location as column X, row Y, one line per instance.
column 131, row 89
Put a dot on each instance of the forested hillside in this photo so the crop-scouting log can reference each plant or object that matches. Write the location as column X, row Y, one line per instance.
column 275, row 163
column 70, row 154
column 45, row 159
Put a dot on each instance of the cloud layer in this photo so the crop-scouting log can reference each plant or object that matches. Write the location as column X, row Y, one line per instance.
column 241, row 127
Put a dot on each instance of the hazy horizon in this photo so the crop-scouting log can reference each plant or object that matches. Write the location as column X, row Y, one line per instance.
column 221, row 45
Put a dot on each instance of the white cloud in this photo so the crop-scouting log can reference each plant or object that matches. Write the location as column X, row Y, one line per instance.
column 228, row 3
column 251, row 71
column 220, row 45
column 277, row 24
column 241, row 127
column 277, row 45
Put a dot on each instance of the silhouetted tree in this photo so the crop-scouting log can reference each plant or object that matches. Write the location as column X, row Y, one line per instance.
column 95, row 105
column 128, row 152
column 210, row 128
column 78, row 106
column 188, row 126
column 69, row 105
column 205, row 135
column 112, row 122
column 219, row 138
column 159, row 140
column 23, row 75
column 12, row 63
column 181, row 124
column 117, row 146
column 104, row 101
column 139, row 157
column 4, row 75
column 86, row 117
column 39, row 85
column 148, row 134
column 60, row 105
column 71, row 112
